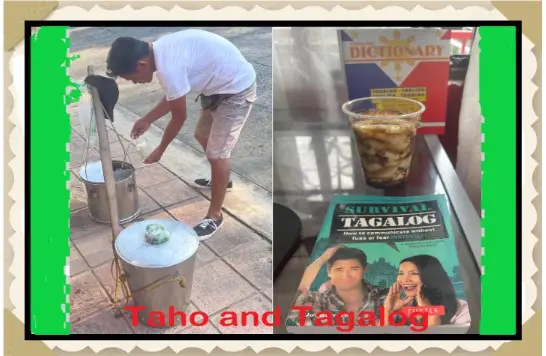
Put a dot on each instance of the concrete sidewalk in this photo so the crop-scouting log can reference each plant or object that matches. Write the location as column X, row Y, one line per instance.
column 233, row 268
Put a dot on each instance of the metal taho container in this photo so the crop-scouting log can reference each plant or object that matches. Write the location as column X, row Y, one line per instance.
column 160, row 276
column 92, row 177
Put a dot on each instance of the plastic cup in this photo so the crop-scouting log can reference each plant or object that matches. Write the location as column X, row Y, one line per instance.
column 384, row 129
column 143, row 147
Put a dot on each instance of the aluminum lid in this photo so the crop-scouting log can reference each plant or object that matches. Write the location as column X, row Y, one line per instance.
column 92, row 172
column 132, row 247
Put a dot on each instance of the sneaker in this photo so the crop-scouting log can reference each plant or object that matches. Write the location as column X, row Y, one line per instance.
column 207, row 183
column 207, row 227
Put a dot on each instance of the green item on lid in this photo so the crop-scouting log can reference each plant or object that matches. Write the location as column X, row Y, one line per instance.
column 156, row 234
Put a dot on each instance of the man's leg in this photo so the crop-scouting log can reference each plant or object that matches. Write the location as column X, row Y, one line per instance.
column 201, row 134
column 228, row 121
column 202, row 128
column 219, row 168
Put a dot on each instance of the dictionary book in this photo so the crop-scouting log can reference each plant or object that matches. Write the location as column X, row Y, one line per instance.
column 404, row 62
column 382, row 265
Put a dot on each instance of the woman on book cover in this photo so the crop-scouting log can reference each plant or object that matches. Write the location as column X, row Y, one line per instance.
column 347, row 290
column 425, row 283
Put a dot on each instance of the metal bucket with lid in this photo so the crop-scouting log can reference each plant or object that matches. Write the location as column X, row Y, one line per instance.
column 159, row 276
column 92, row 177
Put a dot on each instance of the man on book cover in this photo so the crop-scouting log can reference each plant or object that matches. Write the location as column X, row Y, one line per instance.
column 348, row 290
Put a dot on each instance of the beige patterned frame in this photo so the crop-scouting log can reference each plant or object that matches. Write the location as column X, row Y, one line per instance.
column 17, row 12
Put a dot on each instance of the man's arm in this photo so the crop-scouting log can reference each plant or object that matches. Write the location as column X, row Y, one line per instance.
column 160, row 110
column 178, row 111
column 313, row 269
column 311, row 273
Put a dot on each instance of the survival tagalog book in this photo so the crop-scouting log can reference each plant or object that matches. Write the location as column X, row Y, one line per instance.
column 382, row 265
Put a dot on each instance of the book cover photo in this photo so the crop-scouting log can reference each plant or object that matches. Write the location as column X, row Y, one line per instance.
column 382, row 265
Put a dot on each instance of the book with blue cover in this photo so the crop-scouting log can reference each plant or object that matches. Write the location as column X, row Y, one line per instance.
column 382, row 265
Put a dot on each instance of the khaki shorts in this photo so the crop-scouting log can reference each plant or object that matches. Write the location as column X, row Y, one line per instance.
column 222, row 127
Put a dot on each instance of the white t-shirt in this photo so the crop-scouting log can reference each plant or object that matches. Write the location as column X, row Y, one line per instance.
column 201, row 62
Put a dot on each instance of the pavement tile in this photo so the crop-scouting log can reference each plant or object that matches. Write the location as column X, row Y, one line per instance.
column 76, row 141
column 76, row 262
column 113, row 137
column 204, row 255
column 78, row 130
column 216, row 286
column 86, row 296
column 230, row 236
column 77, row 160
column 153, row 175
column 258, row 304
column 74, row 134
column 261, row 216
column 74, row 117
column 190, row 211
column 96, row 247
column 76, row 126
column 171, row 192
column 205, row 329
column 104, row 276
column 116, row 148
column 254, row 262
column 81, row 224
column 78, row 195
column 146, row 204
column 239, row 202
column 104, row 322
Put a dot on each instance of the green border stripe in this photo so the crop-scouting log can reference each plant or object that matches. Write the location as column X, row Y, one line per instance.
column 498, row 105
column 49, row 208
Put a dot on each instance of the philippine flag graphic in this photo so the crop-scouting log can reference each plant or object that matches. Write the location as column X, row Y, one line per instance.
column 416, row 59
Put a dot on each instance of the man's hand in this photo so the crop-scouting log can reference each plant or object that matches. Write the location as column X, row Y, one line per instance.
column 140, row 127
column 313, row 269
column 155, row 156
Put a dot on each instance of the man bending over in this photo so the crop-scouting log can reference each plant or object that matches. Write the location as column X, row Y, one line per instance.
column 203, row 63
